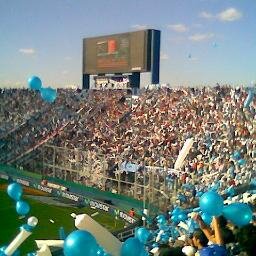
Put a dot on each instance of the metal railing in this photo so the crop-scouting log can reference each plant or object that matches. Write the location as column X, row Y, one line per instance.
column 149, row 185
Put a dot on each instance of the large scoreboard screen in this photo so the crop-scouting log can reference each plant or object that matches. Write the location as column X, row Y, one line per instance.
column 118, row 53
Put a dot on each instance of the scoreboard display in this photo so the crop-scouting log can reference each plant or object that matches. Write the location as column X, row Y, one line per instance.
column 118, row 53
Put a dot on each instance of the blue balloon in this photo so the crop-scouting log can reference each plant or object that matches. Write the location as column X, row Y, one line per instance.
column 132, row 247
column 164, row 227
column 174, row 233
column 237, row 155
column 160, row 216
column 182, row 216
column 164, row 238
column 80, row 242
column 14, row 190
column 34, row 83
column 241, row 162
column 142, row 234
column 161, row 219
column 176, row 211
column 207, row 218
column 211, row 203
column 22, row 207
column 239, row 214
column 48, row 94
column 215, row 45
column 175, row 219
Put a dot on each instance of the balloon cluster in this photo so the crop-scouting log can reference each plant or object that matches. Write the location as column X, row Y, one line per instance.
column 182, row 221
column 211, row 204
column 178, row 215
column 81, row 242
column 239, row 214
column 48, row 94
column 14, row 190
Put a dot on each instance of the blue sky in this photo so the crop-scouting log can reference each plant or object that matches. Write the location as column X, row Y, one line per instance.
column 44, row 38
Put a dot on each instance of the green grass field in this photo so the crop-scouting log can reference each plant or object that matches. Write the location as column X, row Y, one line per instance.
column 10, row 222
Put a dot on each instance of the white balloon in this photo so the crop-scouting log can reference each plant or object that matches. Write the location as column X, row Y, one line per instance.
column 32, row 221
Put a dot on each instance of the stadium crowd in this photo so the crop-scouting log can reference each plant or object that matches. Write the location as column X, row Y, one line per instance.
column 151, row 129
column 27, row 121
column 148, row 133
column 148, row 130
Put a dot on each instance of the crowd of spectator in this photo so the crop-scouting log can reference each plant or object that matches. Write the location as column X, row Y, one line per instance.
column 151, row 129
column 27, row 121
column 16, row 108
column 128, row 137
column 146, row 130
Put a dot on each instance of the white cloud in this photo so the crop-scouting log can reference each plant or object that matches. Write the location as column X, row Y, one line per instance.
column 178, row 27
column 197, row 25
column 177, row 39
column 206, row 15
column 139, row 27
column 201, row 37
column 164, row 56
column 27, row 51
column 230, row 14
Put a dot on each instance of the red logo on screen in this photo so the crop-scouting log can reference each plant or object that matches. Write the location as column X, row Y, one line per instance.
column 111, row 46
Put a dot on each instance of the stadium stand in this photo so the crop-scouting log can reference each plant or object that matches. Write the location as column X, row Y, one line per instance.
column 110, row 140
